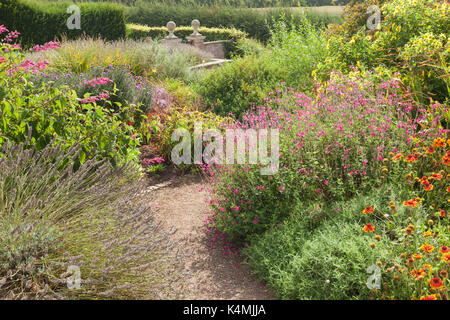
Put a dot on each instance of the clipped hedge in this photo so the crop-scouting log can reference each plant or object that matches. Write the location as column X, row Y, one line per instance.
column 137, row 32
column 256, row 23
column 42, row 22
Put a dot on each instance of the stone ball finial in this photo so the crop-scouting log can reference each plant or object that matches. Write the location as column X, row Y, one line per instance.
column 171, row 27
column 195, row 25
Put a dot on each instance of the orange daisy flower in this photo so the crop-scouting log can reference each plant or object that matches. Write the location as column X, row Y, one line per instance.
column 397, row 156
column 424, row 180
column 418, row 273
column 427, row 234
column 439, row 143
column 368, row 228
column 368, row 210
column 436, row 283
column 430, row 297
column 446, row 160
column 444, row 249
column 410, row 158
column 413, row 202
column 446, row 257
column 427, row 248
column 430, row 150
column 417, row 256
column 448, row 189
column 436, row 176
column 428, row 187
column 442, row 213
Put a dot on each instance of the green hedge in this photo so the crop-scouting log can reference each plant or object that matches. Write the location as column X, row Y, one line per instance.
column 42, row 22
column 256, row 23
column 137, row 32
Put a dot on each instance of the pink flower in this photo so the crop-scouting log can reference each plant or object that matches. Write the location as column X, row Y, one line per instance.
column 3, row 29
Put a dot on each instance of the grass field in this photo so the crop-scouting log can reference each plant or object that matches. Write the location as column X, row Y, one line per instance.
column 328, row 10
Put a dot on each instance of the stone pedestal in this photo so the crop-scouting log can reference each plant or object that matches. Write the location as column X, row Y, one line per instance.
column 195, row 38
column 171, row 38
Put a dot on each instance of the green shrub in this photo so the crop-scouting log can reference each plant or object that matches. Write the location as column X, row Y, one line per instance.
column 92, row 218
column 332, row 147
column 236, row 86
column 57, row 113
column 329, row 263
column 413, row 39
column 182, row 118
column 39, row 23
column 246, row 47
column 301, row 47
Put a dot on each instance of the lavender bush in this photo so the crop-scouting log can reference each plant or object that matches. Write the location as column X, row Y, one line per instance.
column 92, row 218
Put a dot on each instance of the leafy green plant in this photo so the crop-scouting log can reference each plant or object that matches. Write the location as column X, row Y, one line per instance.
column 235, row 87
column 57, row 112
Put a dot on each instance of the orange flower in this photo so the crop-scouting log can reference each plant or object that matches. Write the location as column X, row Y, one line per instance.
column 442, row 213
column 446, row 160
column 424, row 180
column 410, row 158
column 427, row 234
column 436, row 176
column 427, row 248
column 430, row 150
column 397, row 156
column 428, row 187
column 430, row 297
column 439, row 143
column 368, row 228
column 413, row 202
column 368, row 210
column 446, row 257
column 436, row 283
column 418, row 273
column 448, row 189
column 417, row 256
column 444, row 249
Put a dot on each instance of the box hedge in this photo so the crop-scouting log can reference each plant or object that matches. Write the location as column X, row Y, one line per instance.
column 40, row 22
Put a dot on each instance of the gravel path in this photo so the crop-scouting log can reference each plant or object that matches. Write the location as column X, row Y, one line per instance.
column 210, row 274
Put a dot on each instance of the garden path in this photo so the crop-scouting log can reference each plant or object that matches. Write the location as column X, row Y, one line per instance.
column 210, row 274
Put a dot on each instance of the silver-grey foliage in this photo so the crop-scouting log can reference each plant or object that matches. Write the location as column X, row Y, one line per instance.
column 95, row 218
